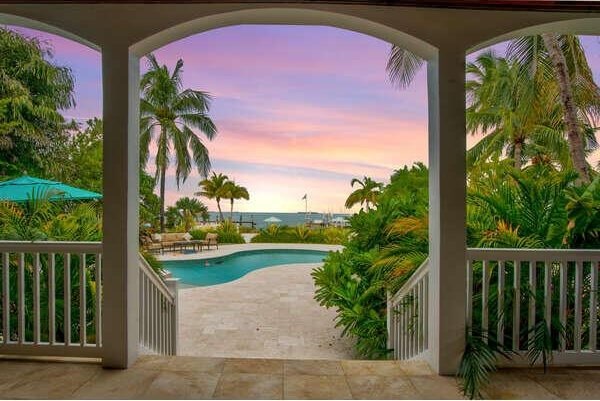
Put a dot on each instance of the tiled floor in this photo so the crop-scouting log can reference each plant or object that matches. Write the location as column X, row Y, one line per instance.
column 268, row 313
column 154, row 377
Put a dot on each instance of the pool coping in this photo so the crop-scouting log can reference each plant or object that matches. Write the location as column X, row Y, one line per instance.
column 230, row 249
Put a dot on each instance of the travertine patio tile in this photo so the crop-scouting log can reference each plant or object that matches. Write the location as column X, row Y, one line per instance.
column 315, row 387
column 312, row 367
column 436, row 387
column 182, row 385
column 117, row 384
column 155, row 362
column 569, row 386
column 11, row 371
column 196, row 364
column 260, row 366
column 416, row 368
column 372, row 368
column 51, row 380
column 283, row 309
column 382, row 387
column 249, row 386
column 515, row 384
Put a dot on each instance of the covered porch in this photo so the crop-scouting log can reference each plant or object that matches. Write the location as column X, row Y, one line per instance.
column 134, row 306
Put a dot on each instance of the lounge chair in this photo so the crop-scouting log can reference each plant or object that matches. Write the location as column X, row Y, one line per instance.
column 151, row 246
column 211, row 239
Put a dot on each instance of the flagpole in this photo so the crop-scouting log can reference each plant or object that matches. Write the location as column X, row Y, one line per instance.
column 305, row 197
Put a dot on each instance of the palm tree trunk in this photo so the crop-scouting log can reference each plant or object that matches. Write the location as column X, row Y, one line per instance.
column 575, row 140
column 231, row 211
column 219, row 207
column 518, row 154
column 162, row 198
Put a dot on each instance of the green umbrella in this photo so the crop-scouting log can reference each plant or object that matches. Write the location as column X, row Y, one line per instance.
column 24, row 188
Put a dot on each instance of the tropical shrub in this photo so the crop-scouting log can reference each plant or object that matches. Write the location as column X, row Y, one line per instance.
column 227, row 231
column 41, row 220
column 380, row 248
column 301, row 234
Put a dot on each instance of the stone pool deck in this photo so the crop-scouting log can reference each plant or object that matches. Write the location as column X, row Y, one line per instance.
column 228, row 249
column 269, row 313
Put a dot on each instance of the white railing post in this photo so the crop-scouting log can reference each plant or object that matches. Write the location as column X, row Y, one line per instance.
column 173, row 285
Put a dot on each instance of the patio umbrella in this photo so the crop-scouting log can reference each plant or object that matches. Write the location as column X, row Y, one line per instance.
column 24, row 188
column 272, row 219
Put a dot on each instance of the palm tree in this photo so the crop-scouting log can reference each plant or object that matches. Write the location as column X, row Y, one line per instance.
column 168, row 115
column 214, row 188
column 367, row 193
column 517, row 119
column 559, row 65
column 234, row 191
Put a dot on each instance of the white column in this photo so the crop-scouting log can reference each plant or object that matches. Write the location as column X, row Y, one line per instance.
column 120, row 73
column 447, row 210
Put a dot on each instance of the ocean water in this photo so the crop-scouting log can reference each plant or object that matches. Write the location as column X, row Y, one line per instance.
column 288, row 219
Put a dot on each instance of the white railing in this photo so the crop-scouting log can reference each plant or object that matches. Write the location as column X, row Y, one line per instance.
column 158, row 314
column 407, row 313
column 51, row 298
column 513, row 293
column 51, row 301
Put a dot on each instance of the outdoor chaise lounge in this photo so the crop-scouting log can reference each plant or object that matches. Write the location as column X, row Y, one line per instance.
column 211, row 239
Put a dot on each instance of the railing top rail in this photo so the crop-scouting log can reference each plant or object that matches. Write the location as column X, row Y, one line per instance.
column 51, row 246
column 411, row 282
column 155, row 279
column 525, row 254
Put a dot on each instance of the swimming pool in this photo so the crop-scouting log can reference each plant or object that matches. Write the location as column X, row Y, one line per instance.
column 204, row 272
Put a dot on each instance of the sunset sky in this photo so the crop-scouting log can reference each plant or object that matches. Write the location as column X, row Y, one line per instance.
column 300, row 109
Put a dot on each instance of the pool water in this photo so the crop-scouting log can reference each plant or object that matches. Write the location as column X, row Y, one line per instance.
column 221, row 270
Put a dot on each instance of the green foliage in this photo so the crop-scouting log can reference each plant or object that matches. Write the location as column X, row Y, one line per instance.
column 154, row 263
column 41, row 220
column 184, row 214
column 274, row 233
column 80, row 154
column 33, row 90
column 227, row 231
column 214, row 187
column 366, row 194
column 381, row 249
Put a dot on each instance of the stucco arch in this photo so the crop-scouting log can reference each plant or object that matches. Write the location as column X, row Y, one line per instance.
column 583, row 26
column 285, row 16
column 9, row 19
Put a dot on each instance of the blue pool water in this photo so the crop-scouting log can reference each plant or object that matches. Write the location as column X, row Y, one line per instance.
column 231, row 267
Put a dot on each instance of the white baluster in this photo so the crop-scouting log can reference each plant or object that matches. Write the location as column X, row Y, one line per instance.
column 67, row 297
column 516, row 305
column 5, row 297
column 485, row 290
column 51, row 299
column 21, row 299
column 578, row 308
column 98, row 316
column 500, row 324
column 82, row 300
column 36, row 299
column 593, row 304
column 564, row 270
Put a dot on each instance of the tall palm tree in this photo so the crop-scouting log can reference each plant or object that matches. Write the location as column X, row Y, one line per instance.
column 215, row 188
column 366, row 194
column 558, row 64
column 233, row 192
column 169, row 114
column 517, row 119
